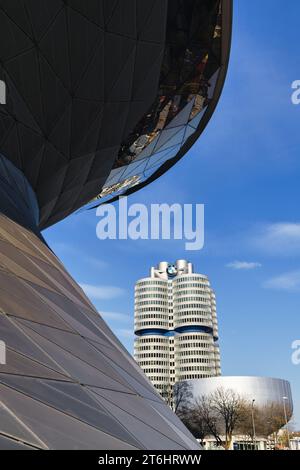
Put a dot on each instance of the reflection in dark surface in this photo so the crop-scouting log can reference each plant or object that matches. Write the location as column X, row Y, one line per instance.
column 189, row 73
column 191, row 58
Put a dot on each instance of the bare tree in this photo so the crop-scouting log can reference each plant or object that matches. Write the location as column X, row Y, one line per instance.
column 269, row 419
column 224, row 411
column 192, row 419
column 206, row 420
column 182, row 396
column 229, row 406
column 248, row 415
column 216, row 414
column 167, row 394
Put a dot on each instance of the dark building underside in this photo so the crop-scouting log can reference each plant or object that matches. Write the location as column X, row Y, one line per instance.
column 97, row 86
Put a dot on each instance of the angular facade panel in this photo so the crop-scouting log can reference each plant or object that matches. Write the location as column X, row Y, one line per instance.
column 62, row 386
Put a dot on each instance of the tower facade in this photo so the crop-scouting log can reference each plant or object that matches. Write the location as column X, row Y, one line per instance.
column 176, row 325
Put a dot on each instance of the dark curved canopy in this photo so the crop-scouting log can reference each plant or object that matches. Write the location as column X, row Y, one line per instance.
column 105, row 95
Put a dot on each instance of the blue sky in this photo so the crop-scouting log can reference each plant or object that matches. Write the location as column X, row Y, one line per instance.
column 245, row 168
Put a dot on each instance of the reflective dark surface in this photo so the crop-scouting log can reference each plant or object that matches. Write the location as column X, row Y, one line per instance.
column 190, row 70
column 79, row 75
column 102, row 93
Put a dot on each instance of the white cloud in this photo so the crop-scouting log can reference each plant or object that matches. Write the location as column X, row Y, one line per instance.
column 62, row 249
column 289, row 281
column 124, row 333
column 243, row 265
column 115, row 316
column 282, row 238
column 102, row 292
column 96, row 262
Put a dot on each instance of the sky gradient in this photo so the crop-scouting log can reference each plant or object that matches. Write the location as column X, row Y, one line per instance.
column 245, row 168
